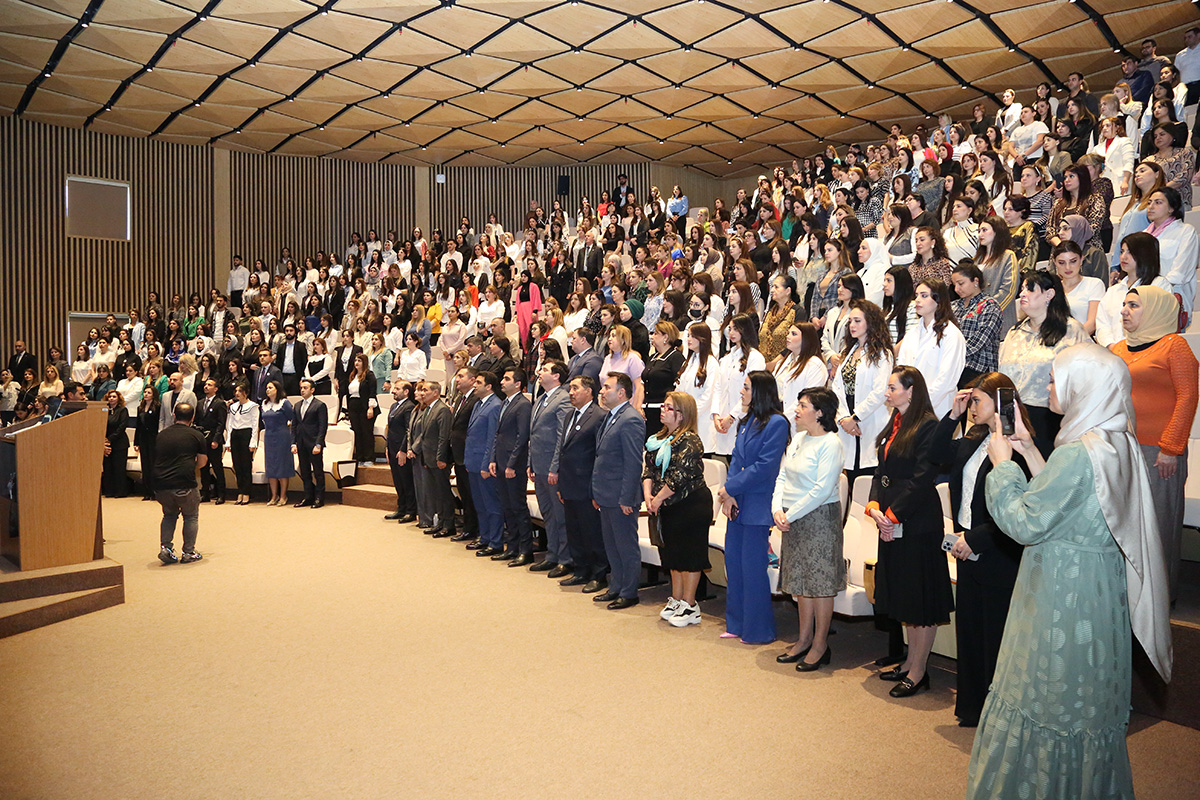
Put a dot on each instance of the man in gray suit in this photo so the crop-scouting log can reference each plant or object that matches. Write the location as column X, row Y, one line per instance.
column 548, row 414
column 429, row 447
column 616, row 489
column 175, row 394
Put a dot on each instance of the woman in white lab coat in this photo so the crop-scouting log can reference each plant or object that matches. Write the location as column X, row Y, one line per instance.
column 742, row 359
column 860, row 383
column 699, row 378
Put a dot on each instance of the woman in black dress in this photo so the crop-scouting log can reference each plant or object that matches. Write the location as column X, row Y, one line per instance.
column 114, row 482
column 673, row 484
column 360, row 405
column 912, row 578
column 145, row 437
column 661, row 372
column 988, row 560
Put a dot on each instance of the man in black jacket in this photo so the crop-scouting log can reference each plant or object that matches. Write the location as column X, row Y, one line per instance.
column 590, row 258
column 464, row 381
column 511, row 465
column 308, row 443
column 210, row 420
column 21, row 360
column 291, row 358
column 399, row 418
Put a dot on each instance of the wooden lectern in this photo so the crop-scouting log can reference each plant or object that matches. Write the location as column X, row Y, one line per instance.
column 55, row 519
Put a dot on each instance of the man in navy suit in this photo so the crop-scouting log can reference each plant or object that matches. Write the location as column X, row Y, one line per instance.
column 616, row 489
column 477, row 458
column 292, row 358
column 211, row 414
column 586, row 361
column 510, row 460
column 399, row 418
column 308, row 443
column 571, row 471
column 265, row 373
column 548, row 414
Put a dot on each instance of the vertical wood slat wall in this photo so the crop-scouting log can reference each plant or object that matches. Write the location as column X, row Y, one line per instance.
column 699, row 189
column 47, row 275
column 311, row 204
column 475, row 192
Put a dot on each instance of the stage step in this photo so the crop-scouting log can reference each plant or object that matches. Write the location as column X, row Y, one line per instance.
column 377, row 475
column 370, row 496
column 41, row 597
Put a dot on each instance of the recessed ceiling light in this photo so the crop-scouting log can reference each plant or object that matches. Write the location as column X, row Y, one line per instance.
column 321, row 127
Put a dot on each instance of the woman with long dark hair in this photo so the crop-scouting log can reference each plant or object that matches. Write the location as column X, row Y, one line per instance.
column 241, row 438
column 1138, row 254
column 800, row 365
column 1077, row 198
column 762, row 437
column 987, row 558
column 742, row 359
column 360, row 407
column 1029, row 348
column 898, row 309
column 935, row 345
column 912, row 579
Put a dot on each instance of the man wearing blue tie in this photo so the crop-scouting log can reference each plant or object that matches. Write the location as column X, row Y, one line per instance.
column 616, row 489
column 477, row 458
column 548, row 414
column 510, row 461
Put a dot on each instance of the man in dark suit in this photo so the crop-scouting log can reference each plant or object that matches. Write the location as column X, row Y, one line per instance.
column 343, row 364
column 429, row 444
column 266, row 373
column 501, row 360
column 617, row 489
column 477, row 355
column 571, row 471
column 622, row 193
column 589, row 259
column 398, row 422
column 464, row 381
column 308, row 443
column 586, row 360
column 477, row 457
column 210, row 420
column 21, row 360
column 547, row 419
column 509, row 464
column 291, row 358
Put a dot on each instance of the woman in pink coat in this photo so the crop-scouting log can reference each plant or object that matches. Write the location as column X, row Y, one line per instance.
column 528, row 304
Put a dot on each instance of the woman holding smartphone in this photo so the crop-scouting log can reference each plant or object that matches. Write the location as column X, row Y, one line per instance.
column 987, row 558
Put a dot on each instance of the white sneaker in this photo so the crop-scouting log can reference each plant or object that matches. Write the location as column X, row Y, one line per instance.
column 686, row 615
column 670, row 609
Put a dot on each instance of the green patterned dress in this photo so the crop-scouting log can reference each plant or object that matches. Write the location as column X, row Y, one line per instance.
column 1054, row 722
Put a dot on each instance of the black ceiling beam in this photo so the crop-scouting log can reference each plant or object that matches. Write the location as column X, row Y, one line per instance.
column 85, row 19
column 152, row 62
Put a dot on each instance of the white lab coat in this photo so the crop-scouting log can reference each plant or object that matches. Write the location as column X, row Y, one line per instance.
column 728, row 399
column 870, row 387
column 703, row 395
column 941, row 363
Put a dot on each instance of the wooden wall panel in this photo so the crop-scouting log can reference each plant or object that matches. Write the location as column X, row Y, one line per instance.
column 311, row 204
column 476, row 191
column 700, row 189
column 48, row 275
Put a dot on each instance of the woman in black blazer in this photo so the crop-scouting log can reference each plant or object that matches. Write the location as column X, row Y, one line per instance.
column 360, row 407
column 145, row 437
column 114, row 481
column 912, row 578
column 988, row 559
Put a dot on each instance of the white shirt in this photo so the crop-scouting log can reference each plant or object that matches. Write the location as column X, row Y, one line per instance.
column 1109, row 329
column 940, row 363
column 1187, row 61
column 412, row 365
column 1024, row 136
column 1087, row 291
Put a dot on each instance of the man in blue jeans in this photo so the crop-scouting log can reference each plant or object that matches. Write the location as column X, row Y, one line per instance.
column 181, row 452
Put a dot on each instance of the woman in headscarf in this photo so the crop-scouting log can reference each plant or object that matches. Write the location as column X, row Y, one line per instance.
column 527, row 298
column 1075, row 228
column 1054, row 723
column 873, row 254
column 1164, row 373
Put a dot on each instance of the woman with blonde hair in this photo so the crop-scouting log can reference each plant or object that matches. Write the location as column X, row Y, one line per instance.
column 622, row 357
column 188, row 367
column 680, row 503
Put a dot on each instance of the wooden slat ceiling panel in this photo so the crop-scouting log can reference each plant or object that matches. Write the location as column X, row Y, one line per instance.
column 567, row 79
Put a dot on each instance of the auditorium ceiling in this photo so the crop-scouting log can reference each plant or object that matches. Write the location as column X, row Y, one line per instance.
column 719, row 86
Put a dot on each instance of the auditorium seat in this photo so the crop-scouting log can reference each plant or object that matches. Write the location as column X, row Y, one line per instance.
column 334, row 404
column 339, row 456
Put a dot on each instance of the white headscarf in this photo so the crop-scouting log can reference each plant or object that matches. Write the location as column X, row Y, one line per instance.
column 873, row 271
column 1094, row 388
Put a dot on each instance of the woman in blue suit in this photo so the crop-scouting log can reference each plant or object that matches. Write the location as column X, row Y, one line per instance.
column 745, row 499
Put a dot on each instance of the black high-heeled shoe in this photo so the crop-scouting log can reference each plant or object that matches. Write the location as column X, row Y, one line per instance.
column 907, row 688
column 893, row 675
column 813, row 666
column 786, row 658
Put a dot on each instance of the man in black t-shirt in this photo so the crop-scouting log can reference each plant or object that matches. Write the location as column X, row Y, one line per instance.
column 181, row 451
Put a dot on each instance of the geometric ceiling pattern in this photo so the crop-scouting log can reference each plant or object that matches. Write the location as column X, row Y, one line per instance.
column 718, row 86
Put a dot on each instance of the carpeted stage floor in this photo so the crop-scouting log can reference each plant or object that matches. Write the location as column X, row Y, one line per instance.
column 322, row 654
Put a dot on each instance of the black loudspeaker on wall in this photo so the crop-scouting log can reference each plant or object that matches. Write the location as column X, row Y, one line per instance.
column 564, row 185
